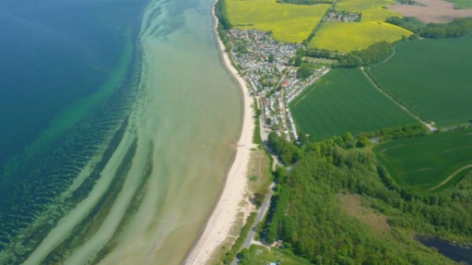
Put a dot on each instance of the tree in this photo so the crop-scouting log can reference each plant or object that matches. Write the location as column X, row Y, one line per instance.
column 304, row 71
column 271, row 58
column 298, row 61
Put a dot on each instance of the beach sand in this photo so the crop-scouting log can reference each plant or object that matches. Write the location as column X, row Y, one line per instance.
column 226, row 210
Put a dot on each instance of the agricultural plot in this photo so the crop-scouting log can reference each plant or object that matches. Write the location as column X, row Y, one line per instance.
column 431, row 77
column 345, row 101
column 347, row 37
column 462, row 4
column 428, row 163
column 288, row 23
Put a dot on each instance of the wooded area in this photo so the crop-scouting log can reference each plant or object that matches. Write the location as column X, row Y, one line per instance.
column 306, row 215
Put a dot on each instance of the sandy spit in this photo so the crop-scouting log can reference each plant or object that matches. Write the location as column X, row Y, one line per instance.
column 224, row 214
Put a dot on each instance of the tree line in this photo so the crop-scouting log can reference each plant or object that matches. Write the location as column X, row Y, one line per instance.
column 457, row 28
column 307, row 216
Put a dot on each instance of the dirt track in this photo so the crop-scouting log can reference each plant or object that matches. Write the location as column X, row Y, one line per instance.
column 437, row 11
column 450, row 177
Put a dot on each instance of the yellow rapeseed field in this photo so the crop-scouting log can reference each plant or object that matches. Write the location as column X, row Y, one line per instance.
column 288, row 23
column 346, row 37
column 372, row 10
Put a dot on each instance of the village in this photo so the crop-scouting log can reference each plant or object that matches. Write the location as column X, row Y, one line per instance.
column 267, row 67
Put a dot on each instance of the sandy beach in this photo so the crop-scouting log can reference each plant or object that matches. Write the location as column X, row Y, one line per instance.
column 224, row 214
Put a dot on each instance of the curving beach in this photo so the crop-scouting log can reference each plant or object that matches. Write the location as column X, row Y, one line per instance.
column 222, row 218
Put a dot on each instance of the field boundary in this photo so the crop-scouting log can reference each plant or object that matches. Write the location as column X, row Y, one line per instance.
column 430, row 127
column 444, row 182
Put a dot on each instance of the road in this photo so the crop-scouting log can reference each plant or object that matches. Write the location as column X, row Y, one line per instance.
column 260, row 216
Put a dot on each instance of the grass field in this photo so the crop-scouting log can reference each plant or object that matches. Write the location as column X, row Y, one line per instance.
column 288, row 23
column 425, row 163
column 345, row 101
column 463, row 4
column 259, row 255
column 432, row 77
column 346, row 37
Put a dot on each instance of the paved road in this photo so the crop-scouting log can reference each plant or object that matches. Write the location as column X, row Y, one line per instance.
column 260, row 216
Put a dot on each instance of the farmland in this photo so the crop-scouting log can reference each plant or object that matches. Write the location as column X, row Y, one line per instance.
column 288, row 23
column 431, row 77
column 425, row 163
column 345, row 101
column 463, row 4
column 346, row 37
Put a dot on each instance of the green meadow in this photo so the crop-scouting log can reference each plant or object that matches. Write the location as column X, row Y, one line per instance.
column 432, row 77
column 345, row 101
column 428, row 163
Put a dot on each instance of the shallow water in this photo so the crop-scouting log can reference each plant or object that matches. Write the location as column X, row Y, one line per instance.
column 147, row 164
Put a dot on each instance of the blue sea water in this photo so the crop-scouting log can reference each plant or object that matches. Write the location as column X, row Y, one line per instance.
column 66, row 79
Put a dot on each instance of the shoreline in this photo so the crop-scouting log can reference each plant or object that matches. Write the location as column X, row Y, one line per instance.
column 221, row 220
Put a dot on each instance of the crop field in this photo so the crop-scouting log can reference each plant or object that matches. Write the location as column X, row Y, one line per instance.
column 371, row 10
column 432, row 77
column 428, row 163
column 345, row 101
column 288, row 23
column 347, row 37
column 463, row 4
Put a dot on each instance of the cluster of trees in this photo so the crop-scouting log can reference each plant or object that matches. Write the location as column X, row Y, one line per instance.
column 403, row 131
column 373, row 54
column 286, row 151
column 406, row 2
column 220, row 12
column 313, row 225
column 229, row 256
column 457, row 28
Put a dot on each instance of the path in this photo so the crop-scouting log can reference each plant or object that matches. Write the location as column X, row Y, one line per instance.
column 260, row 215
column 450, row 177
column 430, row 127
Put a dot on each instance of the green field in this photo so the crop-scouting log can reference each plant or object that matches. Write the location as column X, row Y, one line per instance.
column 432, row 77
column 288, row 23
column 259, row 255
column 345, row 101
column 430, row 162
column 347, row 37
column 463, row 4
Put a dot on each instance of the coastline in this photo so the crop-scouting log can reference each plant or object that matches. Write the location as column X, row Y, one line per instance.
column 221, row 220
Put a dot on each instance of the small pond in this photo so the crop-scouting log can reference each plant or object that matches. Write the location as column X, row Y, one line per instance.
column 454, row 252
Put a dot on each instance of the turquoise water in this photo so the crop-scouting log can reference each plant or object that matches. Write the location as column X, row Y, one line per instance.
column 119, row 127
column 66, row 82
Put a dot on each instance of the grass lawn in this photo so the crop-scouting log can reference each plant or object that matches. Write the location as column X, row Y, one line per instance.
column 259, row 255
column 432, row 77
column 425, row 163
column 288, row 23
column 345, row 101
column 346, row 37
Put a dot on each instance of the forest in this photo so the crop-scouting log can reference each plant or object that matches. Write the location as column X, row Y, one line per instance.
column 306, row 214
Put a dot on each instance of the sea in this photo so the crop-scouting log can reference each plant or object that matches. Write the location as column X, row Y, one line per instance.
column 118, row 126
